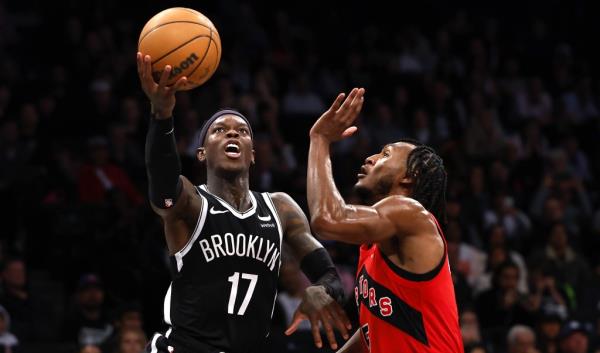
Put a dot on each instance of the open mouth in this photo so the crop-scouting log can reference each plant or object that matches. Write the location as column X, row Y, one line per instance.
column 362, row 173
column 232, row 150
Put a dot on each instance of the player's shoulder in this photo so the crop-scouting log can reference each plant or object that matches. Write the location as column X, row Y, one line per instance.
column 399, row 204
column 279, row 195
column 281, row 198
column 285, row 205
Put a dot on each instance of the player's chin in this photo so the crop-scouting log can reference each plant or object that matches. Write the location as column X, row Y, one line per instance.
column 361, row 181
column 233, row 165
column 360, row 186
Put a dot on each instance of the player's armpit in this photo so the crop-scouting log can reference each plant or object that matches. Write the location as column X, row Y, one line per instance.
column 180, row 220
column 296, row 229
column 393, row 216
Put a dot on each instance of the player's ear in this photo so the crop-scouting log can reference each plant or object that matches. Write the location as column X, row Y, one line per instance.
column 252, row 161
column 201, row 154
column 405, row 182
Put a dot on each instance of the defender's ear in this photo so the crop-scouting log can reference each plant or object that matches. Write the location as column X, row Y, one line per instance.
column 201, row 154
column 406, row 182
column 252, row 161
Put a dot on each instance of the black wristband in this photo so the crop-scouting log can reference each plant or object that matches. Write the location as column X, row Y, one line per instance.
column 162, row 163
column 161, row 125
column 320, row 270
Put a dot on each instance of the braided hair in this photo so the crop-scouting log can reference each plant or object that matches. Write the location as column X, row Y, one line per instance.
column 427, row 171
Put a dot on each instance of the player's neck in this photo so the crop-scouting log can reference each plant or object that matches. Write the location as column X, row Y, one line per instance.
column 374, row 198
column 234, row 191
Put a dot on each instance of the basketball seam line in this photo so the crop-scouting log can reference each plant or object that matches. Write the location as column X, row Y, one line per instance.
column 203, row 57
column 179, row 47
column 166, row 23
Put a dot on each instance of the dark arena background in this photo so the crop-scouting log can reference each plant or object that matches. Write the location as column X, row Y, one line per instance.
column 507, row 92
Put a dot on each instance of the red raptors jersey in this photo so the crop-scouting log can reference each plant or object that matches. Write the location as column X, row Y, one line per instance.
column 403, row 312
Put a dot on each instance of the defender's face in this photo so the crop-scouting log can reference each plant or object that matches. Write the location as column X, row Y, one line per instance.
column 228, row 145
column 385, row 169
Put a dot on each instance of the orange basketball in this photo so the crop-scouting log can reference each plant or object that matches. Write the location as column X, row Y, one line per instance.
column 185, row 39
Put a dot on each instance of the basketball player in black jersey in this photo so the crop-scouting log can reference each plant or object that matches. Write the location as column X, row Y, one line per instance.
column 225, row 240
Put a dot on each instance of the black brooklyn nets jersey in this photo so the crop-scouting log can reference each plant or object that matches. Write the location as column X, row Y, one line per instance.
column 225, row 279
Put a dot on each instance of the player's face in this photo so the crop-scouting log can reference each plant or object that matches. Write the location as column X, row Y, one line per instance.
column 384, row 170
column 228, row 145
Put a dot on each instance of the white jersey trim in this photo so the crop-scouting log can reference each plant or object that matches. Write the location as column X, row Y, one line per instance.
column 199, row 225
column 153, row 343
column 271, row 206
column 167, row 306
column 238, row 214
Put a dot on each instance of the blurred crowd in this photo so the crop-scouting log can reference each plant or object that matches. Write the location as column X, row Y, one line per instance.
column 509, row 97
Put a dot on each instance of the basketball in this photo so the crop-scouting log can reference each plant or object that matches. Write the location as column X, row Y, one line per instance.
column 185, row 39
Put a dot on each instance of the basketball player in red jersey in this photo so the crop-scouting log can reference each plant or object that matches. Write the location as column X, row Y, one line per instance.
column 404, row 289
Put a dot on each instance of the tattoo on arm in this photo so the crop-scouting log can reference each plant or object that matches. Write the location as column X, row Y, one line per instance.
column 296, row 230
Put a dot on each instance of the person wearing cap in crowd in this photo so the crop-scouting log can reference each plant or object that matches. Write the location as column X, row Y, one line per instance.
column 548, row 326
column 88, row 322
column 574, row 337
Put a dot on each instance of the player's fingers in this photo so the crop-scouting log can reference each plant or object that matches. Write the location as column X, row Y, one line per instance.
column 342, row 110
column 314, row 327
column 349, row 131
column 354, row 111
column 179, row 84
column 359, row 106
column 358, row 100
column 164, row 77
column 342, row 314
column 354, row 108
column 139, row 61
column 147, row 68
column 326, row 320
column 294, row 325
column 337, row 102
column 338, row 321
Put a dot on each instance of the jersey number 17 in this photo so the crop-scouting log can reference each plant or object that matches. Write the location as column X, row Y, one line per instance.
column 235, row 279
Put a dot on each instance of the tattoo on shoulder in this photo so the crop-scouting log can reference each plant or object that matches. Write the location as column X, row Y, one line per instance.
column 296, row 227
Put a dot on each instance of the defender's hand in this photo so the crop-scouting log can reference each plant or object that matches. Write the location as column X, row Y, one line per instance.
column 161, row 96
column 336, row 123
column 319, row 308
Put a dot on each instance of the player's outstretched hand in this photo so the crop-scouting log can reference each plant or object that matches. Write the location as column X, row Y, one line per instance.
column 320, row 309
column 161, row 96
column 336, row 123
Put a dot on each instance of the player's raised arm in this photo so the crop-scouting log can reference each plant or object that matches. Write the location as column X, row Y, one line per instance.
column 331, row 217
column 162, row 161
column 170, row 193
column 320, row 301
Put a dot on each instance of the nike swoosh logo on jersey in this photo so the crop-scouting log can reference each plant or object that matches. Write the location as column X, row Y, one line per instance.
column 264, row 219
column 213, row 211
